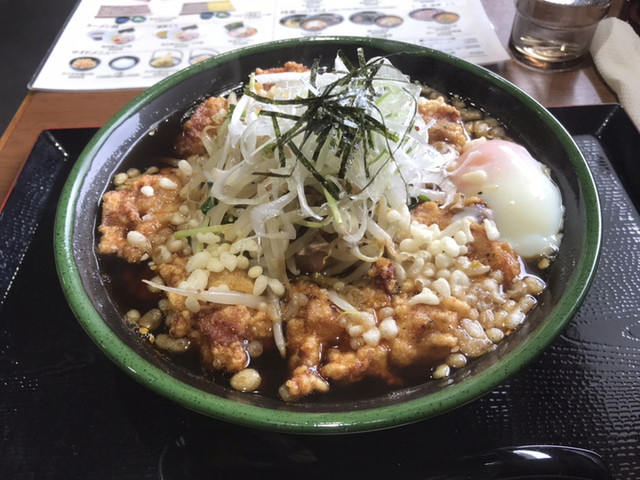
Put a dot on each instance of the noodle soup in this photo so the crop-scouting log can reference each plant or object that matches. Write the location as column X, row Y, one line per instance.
column 346, row 224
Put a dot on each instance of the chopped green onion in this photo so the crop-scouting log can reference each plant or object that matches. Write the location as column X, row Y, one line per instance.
column 208, row 204
column 333, row 206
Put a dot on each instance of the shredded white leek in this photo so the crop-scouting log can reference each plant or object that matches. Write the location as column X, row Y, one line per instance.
column 212, row 296
column 278, row 192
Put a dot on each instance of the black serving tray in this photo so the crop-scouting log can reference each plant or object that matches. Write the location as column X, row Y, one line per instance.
column 67, row 412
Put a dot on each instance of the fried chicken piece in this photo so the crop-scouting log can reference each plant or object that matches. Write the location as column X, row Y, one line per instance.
column 303, row 382
column 445, row 124
column 130, row 210
column 498, row 255
column 181, row 324
column 288, row 67
column 319, row 346
column 209, row 115
column 263, row 89
column 314, row 329
column 424, row 331
column 225, row 333
column 383, row 273
column 221, row 333
column 172, row 273
column 429, row 213
column 353, row 366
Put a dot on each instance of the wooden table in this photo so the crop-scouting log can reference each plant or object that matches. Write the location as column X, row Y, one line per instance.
column 52, row 110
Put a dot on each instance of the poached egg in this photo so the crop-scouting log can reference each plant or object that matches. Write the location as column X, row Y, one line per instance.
column 526, row 203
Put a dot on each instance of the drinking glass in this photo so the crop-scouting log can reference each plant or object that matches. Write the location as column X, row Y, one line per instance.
column 555, row 34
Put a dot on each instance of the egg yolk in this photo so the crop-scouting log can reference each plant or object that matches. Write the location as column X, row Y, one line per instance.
column 526, row 204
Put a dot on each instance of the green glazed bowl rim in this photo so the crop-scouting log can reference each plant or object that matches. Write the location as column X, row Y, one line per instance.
column 375, row 418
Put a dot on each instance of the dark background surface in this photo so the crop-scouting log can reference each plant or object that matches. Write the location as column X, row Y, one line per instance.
column 28, row 28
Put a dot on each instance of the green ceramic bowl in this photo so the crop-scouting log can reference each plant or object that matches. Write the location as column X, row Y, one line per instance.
column 125, row 140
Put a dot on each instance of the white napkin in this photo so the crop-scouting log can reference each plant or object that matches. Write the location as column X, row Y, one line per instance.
column 616, row 53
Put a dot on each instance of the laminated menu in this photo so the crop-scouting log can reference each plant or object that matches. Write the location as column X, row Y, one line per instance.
column 125, row 44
